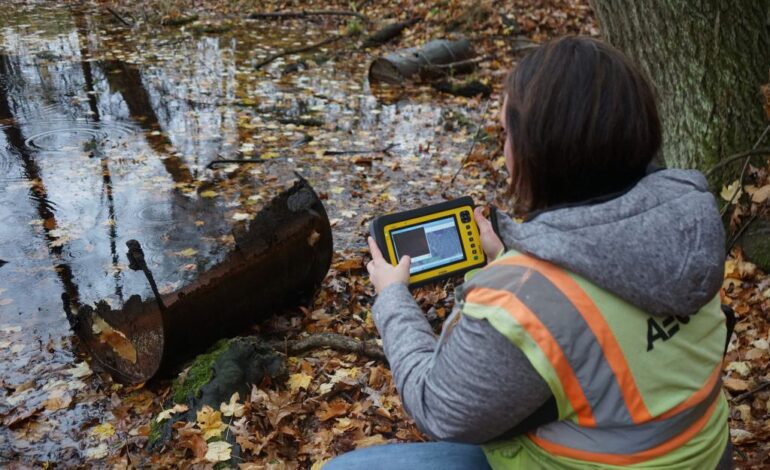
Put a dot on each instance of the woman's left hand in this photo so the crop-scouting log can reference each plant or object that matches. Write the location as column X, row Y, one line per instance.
column 382, row 273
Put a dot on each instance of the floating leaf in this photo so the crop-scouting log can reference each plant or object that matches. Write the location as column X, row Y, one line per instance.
column 187, row 253
column 103, row 431
column 98, row 452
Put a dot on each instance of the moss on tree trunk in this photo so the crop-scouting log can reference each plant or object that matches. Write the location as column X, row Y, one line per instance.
column 707, row 59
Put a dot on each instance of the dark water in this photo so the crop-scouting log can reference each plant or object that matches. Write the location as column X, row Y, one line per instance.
column 105, row 135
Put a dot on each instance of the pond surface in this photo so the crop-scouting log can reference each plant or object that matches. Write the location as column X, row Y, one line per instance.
column 106, row 135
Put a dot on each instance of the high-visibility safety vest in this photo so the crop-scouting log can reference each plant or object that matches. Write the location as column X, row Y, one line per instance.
column 632, row 390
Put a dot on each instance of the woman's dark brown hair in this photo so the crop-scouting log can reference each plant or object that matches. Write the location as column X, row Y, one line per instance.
column 582, row 121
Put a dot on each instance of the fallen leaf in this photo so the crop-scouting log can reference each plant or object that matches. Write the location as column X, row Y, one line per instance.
column 761, row 194
column 741, row 367
column 210, row 422
column 728, row 192
column 166, row 414
column 349, row 264
column 735, row 385
column 374, row 440
column 298, row 381
column 218, row 451
column 331, row 410
column 232, row 408
column 209, row 194
column 195, row 443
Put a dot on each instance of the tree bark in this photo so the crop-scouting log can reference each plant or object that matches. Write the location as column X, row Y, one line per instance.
column 707, row 60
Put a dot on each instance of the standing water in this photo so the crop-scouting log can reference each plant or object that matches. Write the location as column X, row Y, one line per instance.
column 106, row 135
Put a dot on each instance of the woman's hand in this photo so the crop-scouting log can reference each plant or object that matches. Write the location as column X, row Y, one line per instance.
column 490, row 242
column 382, row 273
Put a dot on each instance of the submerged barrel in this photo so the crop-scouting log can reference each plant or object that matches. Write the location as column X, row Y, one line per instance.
column 279, row 261
column 397, row 67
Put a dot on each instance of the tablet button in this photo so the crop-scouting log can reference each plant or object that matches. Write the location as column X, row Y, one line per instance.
column 474, row 252
column 470, row 233
column 475, row 257
column 473, row 245
column 470, row 239
column 465, row 217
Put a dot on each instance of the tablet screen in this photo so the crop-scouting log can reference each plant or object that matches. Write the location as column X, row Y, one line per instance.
column 430, row 244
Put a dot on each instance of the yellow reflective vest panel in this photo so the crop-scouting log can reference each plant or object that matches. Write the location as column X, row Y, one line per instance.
column 631, row 389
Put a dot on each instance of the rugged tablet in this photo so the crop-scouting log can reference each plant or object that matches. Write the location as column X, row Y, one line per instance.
column 442, row 240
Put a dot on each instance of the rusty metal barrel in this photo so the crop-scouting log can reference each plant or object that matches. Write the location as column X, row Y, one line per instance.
column 279, row 261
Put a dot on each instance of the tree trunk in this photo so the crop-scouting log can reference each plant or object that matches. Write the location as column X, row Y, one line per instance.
column 707, row 59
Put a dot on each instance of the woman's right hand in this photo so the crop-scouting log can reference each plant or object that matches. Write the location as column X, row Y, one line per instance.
column 490, row 242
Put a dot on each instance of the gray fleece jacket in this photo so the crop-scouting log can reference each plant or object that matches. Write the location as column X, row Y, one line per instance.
column 660, row 246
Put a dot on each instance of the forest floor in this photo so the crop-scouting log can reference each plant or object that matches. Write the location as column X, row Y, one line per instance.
column 335, row 402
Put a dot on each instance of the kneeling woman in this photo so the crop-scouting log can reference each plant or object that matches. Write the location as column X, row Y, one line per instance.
column 595, row 337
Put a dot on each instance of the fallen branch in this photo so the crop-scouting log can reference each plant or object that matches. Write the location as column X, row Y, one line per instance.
column 751, row 393
column 743, row 172
column 738, row 156
column 119, row 18
column 305, row 14
column 333, row 341
column 439, row 68
column 297, row 50
column 389, row 32
column 385, row 150
column 223, row 161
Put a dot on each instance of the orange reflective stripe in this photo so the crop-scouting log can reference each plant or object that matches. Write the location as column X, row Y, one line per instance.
column 698, row 396
column 601, row 330
column 628, row 459
column 547, row 343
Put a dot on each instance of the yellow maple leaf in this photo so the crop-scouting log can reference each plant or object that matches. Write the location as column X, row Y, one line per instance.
column 218, row 451
column 187, row 253
column 209, row 194
column 232, row 408
column 103, row 431
column 166, row 414
column 297, row 381
column 210, row 422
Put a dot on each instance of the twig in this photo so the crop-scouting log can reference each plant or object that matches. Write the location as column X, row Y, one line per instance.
column 473, row 145
column 119, row 18
column 297, row 50
column 211, row 164
column 740, row 232
column 334, row 341
column 385, row 150
column 743, row 172
column 459, row 63
column 306, row 13
column 738, row 156
column 751, row 393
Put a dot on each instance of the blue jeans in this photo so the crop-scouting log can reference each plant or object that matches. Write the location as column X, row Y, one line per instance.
column 422, row 455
